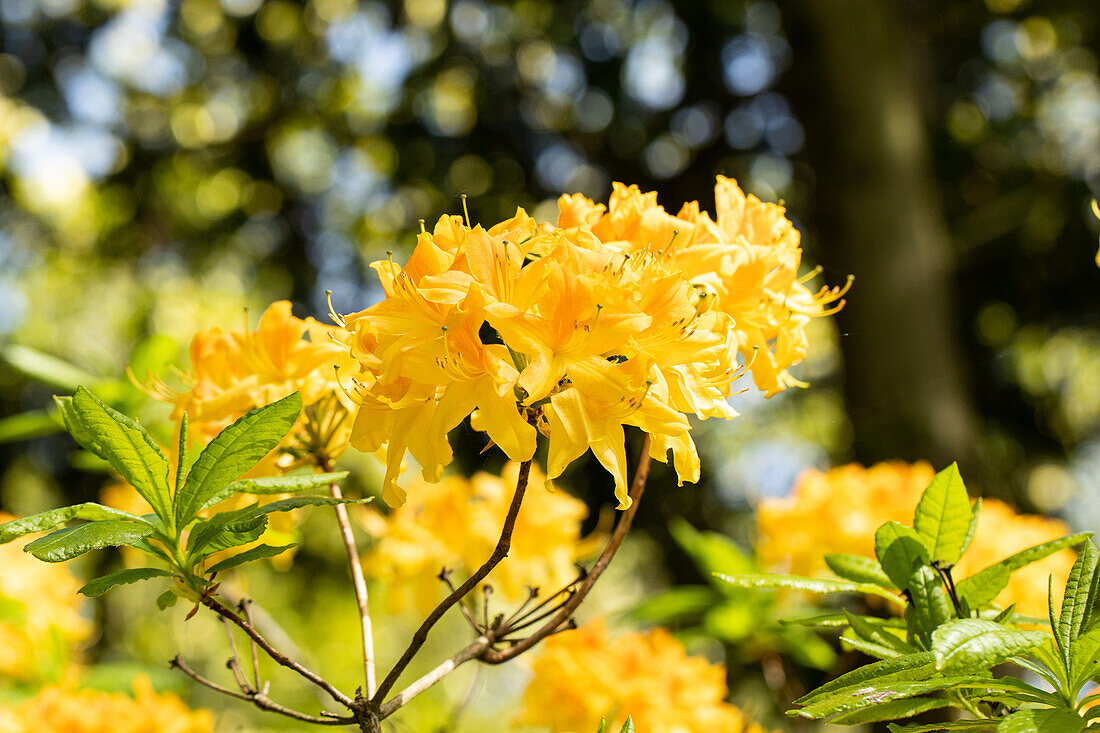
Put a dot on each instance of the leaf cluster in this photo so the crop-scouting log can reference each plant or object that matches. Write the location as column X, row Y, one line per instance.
column 942, row 653
column 736, row 616
column 183, row 532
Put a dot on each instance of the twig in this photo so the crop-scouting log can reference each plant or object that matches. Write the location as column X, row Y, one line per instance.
column 358, row 581
column 641, row 474
column 276, row 655
column 499, row 553
column 402, row 698
column 482, row 648
column 259, row 699
column 246, row 606
column 234, row 663
column 445, row 576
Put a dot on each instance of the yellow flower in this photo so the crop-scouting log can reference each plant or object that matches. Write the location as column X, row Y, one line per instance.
column 232, row 373
column 523, row 326
column 1096, row 213
column 456, row 523
column 838, row 511
column 40, row 619
column 747, row 259
column 582, row 676
column 64, row 709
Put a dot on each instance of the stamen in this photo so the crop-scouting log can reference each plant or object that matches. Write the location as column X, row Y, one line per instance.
column 810, row 275
column 332, row 311
column 422, row 229
column 465, row 211
column 675, row 233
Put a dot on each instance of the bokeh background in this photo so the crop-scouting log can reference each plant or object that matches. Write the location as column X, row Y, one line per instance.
column 167, row 164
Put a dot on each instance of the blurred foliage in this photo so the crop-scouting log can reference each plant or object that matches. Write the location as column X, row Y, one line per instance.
column 166, row 164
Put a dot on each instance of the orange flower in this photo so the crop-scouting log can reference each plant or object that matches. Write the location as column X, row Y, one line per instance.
column 747, row 259
column 232, row 373
column 64, row 709
column 521, row 326
column 583, row 676
column 41, row 620
column 456, row 523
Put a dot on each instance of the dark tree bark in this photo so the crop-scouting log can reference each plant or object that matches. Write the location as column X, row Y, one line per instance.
column 881, row 218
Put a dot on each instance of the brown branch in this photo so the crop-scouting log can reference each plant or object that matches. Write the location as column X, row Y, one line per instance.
column 499, row 553
column 482, row 648
column 276, row 655
column 358, row 581
column 402, row 698
column 258, row 698
column 641, row 474
column 246, row 606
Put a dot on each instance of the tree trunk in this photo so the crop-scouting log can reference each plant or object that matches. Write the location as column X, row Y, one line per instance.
column 881, row 219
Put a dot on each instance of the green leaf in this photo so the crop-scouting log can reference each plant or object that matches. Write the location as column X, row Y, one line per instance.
column 628, row 726
column 900, row 551
column 129, row 449
column 676, row 603
column 166, row 600
column 895, row 710
column 809, row 585
column 944, row 515
column 256, row 553
column 57, row 518
column 1078, row 600
column 849, row 640
column 70, row 542
column 72, row 423
column 214, row 535
column 974, row 644
column 859, row 569
column 290, row 484
column 930, row 605
column 1042, row 721
column 984, row 586
column 975, row 511
column 45, row 368
column 732, row 621
column 101, row 585
column 965, row 726
column 28, row 425
column 711, row 552
column 1084, row 660
column 181, row 455
column 872, row 630
column 233, row 451
column 899, row 669
column 297, row 502
column 876, row 693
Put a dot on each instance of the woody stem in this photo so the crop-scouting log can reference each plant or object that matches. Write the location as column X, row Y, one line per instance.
column 358, row 582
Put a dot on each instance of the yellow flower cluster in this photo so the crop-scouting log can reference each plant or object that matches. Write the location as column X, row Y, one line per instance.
column 456, row 523
column 747, row 256
column 633, row 318
column 40, row 617
column 64, row 709
column 232, row 373
column 838, row 511
column 582, row 676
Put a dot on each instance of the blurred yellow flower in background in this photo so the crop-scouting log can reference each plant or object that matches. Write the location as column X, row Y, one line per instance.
column 456, row 523
column 746, row 258
column 838, row 511
column 232, row 373
column 65, row 709
column 40, row 621
column 584, row 675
